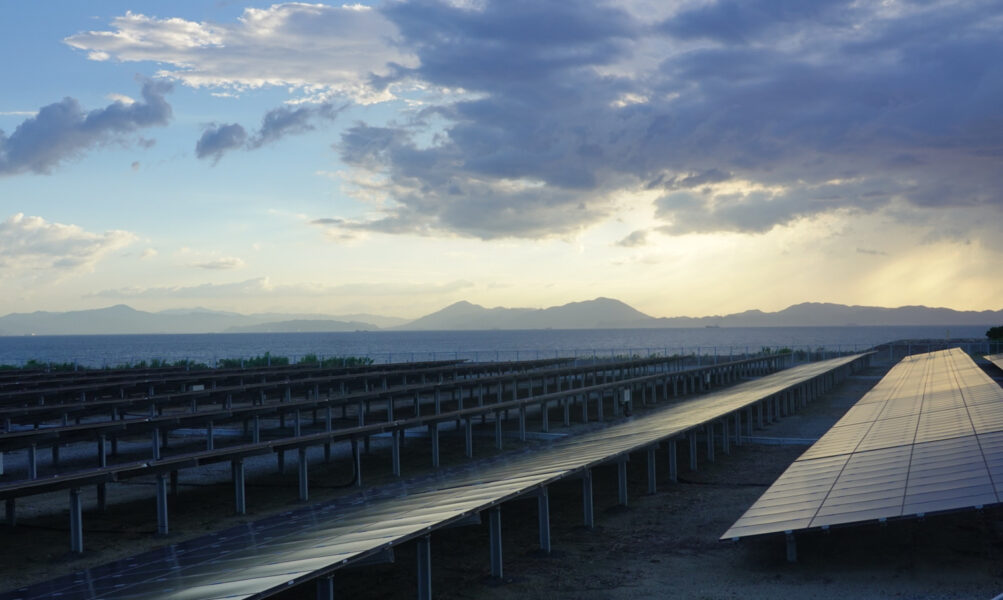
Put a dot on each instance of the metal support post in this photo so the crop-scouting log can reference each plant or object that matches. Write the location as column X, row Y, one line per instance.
column 673, row 466
column 621, row 480
column 652, row 482
column 396, row 451
column 76, row 522
column 433, row 432
column 325, row 588
column 792, row 548
column 725, row 436
column 543, row 514
column 357, row 459
column 498, row 430
column 468, row 437
column 709, row 429
column 304, row 479
column 424, row 568
column 494, row 526
column 692, row 438
column 161, row 505
column 587, row 505
column 239, row 495
column 11, row 513
column 33, row 462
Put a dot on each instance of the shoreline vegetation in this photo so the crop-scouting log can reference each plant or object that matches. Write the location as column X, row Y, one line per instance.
column 264, row 360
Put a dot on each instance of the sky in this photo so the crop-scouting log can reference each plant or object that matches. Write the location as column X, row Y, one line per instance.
column 689, row 158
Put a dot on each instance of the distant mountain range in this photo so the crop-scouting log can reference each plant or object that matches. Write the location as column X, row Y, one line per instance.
column 600, row 313
column 121, row 319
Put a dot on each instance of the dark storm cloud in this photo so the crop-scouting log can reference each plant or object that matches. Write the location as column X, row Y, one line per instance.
column 738, row 22
column 285, row 120
column 63, row 130
column 277, row 123
column 218, row 139
column 807, row 108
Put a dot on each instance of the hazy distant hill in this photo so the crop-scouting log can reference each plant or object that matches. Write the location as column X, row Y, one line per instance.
column 303, row 326
column 121, row 319
column 601, row 313
column 839, row 315
column 605, row 313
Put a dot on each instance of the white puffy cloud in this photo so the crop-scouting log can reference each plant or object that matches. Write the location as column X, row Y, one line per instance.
column 29, row 243
column 316, row 48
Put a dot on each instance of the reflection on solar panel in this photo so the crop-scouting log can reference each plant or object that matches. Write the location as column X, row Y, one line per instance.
column 996, row 359
column 259, row 559
column 928, row 438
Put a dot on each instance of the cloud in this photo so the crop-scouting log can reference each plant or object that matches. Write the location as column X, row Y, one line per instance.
column 318, row 49
column 219, row 264
column 262, row 287
column 634, row 239
column 535, row 118
column 33, row 243
column 779, row 111
column 63, row 130
column 219, row 139
column 277, row 123
column 286, row 120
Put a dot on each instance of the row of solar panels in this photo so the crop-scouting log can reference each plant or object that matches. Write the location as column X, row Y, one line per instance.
column 928, row 438
column 260, row 559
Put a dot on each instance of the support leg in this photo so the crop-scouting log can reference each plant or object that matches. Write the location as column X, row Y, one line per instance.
column 239, row 493
column 76, row 522
column 396, row 451
column 304, row 479
column 425, row 568
column 673, row 466
column 162, row 529
column 652, row 483
column 543, row 512
column 587, row 505
column 692, row 438
column 494, row 524
column 709, row 429
column 325, row 588
column 621, row 480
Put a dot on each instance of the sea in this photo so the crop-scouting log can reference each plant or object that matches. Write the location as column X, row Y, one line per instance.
column 96, row 351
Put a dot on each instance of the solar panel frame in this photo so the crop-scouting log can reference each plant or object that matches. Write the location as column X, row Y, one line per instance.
column 935, row 444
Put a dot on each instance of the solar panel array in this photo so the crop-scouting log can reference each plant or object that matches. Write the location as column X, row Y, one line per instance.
column 256, row 560
column 928, row 438
column 996, row 359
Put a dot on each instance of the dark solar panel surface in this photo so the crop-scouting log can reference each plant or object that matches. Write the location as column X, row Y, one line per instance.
column 258, row 559
column 927, row 438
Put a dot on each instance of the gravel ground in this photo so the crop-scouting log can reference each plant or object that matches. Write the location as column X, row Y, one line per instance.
column 663, row 545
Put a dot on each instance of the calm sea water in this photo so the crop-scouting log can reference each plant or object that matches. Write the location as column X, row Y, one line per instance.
column 391, row 346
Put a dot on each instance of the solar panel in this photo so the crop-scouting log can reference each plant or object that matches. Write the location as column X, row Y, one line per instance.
column 996, row 359
column 928, row 438
column 256, row 560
